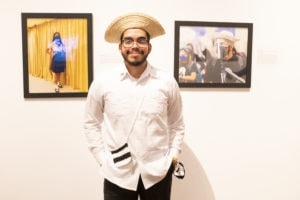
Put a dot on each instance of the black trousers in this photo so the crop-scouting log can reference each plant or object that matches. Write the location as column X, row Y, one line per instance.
column 159, row 191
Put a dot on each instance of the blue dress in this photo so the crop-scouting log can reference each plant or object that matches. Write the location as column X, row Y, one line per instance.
column 58, row 62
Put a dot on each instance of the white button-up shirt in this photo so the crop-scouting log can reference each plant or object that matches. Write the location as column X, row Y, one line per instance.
column 145, row 113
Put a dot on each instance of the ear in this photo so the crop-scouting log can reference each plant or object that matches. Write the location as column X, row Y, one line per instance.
column 120, row 47
column 149, row 48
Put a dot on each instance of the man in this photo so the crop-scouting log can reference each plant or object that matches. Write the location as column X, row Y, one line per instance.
column 133, row 119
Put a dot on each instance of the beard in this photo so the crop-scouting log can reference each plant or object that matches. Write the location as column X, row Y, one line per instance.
column 135, row 61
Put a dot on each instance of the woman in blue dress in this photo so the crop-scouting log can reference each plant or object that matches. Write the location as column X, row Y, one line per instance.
column 58, row 59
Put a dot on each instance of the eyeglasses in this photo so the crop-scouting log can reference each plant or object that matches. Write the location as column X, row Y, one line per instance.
column 179, row 170
column 141, row 42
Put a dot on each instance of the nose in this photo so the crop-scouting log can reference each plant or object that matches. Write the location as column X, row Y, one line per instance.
column 134, row 44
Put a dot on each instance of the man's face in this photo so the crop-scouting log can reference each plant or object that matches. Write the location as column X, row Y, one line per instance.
column 135, row 47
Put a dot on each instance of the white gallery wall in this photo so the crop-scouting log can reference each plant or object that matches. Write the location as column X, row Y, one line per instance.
column 240, row 144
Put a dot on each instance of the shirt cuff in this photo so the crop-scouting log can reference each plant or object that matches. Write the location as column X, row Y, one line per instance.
column 174, row 153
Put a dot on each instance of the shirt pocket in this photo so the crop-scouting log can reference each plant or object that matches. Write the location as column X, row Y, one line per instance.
column 155, row 103
column 117, row 106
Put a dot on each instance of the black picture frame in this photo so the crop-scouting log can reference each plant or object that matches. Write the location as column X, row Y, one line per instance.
column 76, row 35
column 212, row 67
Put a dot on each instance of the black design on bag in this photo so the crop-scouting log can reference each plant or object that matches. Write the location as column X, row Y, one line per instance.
column 121, row 154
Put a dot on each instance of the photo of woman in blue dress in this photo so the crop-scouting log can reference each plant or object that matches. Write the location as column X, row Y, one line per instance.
column 58, row 59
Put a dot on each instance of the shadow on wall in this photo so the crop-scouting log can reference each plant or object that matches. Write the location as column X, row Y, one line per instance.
column 195, row 184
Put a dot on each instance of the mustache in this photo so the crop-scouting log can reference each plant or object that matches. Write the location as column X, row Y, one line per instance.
column 135, row 51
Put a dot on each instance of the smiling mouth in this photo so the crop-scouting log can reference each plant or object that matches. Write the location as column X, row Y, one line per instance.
column 135, row 54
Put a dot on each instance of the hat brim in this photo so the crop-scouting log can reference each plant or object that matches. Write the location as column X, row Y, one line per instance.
column 132, row 20
column 226, row 36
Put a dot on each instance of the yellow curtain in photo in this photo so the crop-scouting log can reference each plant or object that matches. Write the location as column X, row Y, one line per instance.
column 74, row 36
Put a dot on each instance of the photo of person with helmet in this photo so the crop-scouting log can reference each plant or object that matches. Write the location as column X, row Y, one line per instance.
column 229, row 64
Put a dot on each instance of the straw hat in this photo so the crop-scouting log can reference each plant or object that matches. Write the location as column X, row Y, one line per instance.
column 132, row 20
column 226, row 35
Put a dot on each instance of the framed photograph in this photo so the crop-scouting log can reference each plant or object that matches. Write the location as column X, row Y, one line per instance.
column 57, row 54
column 213, row 54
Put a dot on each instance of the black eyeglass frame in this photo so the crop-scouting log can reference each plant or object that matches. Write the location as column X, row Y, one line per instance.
column 129, row 42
